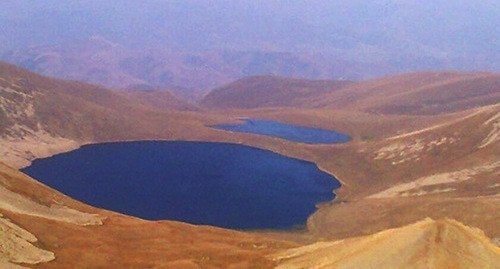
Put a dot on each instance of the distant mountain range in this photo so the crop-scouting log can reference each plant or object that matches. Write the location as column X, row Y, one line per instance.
column 189, row 74
column 192, row 46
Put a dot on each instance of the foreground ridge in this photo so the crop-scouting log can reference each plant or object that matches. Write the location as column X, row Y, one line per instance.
column 426, row 244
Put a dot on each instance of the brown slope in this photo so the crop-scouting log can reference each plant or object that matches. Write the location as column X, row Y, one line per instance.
column 417, row 93
column 355, row 163
column 426, row 244
column 38, row 224
column 36, row 100
column 448, row 169
column 267, row 91
column 159, row 99
column 38, row 111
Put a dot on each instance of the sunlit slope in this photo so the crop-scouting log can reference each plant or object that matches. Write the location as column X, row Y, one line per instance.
column 40, row 116
column 449, row 168
column 425, row 93
column 426, row 244
column 403, row 165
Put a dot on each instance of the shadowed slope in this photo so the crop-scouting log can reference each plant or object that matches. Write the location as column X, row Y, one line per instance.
column 261, row 91
column 425, row 244
column 159, row 99
column 425, row 93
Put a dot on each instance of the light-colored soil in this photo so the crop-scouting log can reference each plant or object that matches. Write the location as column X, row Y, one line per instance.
column 426, row 244
column 16, row 246
column 439, row 179
column 20, row 152
column 16, row 203
column 20, row 204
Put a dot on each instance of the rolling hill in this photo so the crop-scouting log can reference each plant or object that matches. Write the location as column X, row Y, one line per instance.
column 417, row 93
column 421, row 93
column 425, row 244
column 267, row 91
column 41, row 115
column 409, row 159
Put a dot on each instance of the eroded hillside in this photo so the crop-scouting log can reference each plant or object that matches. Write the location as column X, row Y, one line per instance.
column 436, row 155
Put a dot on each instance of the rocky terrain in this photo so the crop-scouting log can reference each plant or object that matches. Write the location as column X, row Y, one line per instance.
column 425, row 145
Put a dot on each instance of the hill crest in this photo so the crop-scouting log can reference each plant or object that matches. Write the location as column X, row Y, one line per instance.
column 425, row 244
column 268, row 91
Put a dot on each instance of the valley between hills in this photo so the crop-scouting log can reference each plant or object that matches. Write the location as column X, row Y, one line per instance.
column 420, row 176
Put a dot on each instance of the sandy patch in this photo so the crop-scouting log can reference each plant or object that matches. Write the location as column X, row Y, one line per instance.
column 494, row 135
column 438, row 126
column 20, row 144
column 401, row 152
column 19, row 152
column 425, row 244
column 401, row 190
column 18, row 107
column 17, row 203
column 16, row 247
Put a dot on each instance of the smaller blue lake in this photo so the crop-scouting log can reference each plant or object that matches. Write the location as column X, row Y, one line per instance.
column 286, row 131
column 220, row 184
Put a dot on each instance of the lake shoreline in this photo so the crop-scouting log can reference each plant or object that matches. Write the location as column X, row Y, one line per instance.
column 298, row 162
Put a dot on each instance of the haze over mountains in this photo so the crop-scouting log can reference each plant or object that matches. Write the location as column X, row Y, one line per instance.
column 193, row 46
column 415, row 85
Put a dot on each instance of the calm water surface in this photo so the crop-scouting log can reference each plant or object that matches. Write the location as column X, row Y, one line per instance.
column 286, row 131
column 226, row 185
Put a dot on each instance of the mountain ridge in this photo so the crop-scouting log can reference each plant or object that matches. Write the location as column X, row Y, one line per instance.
column 423, row 93
column 268, row 91
column 398, row 169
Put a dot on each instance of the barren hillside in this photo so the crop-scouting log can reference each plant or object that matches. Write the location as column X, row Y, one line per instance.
column 423, row 93
column 403, row 165
column 425, row 244
column 258, row 92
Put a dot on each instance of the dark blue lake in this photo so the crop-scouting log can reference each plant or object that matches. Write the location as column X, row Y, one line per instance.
column 286, row 131
column 226, row 185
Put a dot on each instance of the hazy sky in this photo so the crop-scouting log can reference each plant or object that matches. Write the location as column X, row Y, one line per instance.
column 466, row 25
column 355, row 38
